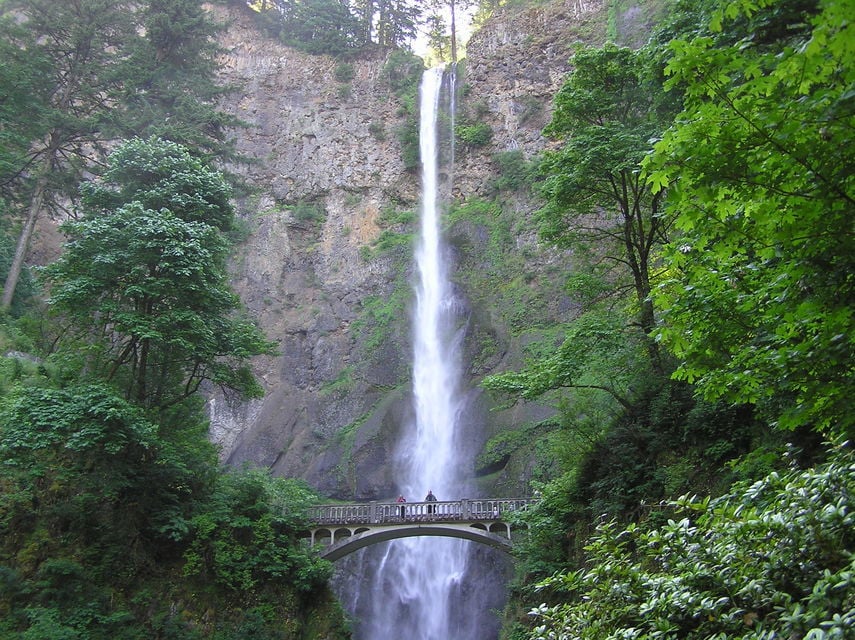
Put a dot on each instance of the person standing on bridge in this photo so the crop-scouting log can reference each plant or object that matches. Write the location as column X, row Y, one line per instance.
column 430, row 498
column 403, row 508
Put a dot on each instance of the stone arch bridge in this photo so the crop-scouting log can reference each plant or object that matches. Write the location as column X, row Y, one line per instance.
column 344, row 528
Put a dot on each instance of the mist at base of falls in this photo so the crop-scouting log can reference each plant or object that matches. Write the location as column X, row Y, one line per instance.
column 367, row 583
column 430, row 588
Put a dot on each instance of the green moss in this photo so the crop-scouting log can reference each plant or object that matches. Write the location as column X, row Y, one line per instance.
column 341, row 385
column 493, row 271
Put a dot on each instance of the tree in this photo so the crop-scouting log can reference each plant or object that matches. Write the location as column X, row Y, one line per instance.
column 170, row 84
column 24, row 96
column 90, row 71
column 389, row 23
column 451, row 7
column 437, row 39
column 597, row 353
column 606, row 114
column 143, row 277
column 760, row 295
column 77, row 44
column 321, row 26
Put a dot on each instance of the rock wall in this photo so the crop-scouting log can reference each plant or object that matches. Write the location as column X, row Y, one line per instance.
column 326, row 167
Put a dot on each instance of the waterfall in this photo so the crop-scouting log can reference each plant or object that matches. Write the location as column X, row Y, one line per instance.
column 430, row 452
column 422, row 588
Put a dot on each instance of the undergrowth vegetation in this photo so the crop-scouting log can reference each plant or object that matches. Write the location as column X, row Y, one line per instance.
column 117, row 519
column 699, row 185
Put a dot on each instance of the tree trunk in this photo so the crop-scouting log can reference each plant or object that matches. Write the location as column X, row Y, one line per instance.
column 26, row 234
column 453, row 34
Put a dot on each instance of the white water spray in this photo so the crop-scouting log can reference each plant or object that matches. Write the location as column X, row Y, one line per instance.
column 422, row 577
column 421, row 588
column 431, row 453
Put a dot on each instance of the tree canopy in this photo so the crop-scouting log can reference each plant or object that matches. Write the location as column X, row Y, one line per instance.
column 81, row 74
column 144, row 272
column 758, row 305
column 607, row 113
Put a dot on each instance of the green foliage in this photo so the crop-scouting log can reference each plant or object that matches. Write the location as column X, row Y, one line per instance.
column 171, row 85
column 344, row 72
column 152, row 282
column 408, row 137
column 473, row 134
column 492, row 268
column 318, row 26
column 621, row 464
column 403, row 73
column 88, row 422
column 396, row 239
column 769, row 560
column 380, row 317
column 247, row 537
column 159, row 174
column 606, row 115
column 501, row 447
column 378, row 131
column 342, row 385
column 333, row 27
column 99, row 507
column 24, row 100
column 309, row 212
column 597, row 352
column 26, row 284
column 392, row 216
column 666, row 444
column 94, row 71
column 515, row 173
column 758, row 303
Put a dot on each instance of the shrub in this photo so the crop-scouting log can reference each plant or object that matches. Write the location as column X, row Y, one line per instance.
column 515, row 173
column 344, row 72
column 769, row 560
column 478, row 134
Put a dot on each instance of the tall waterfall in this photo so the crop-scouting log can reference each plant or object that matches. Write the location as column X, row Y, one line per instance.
column 422, row 588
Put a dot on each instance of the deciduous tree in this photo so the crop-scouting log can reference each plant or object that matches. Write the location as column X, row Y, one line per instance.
column 760, row 296
column 606, row 115
column 143, row 276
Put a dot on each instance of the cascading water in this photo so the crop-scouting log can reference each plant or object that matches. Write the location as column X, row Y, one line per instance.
column 426, row 570
column 421, row 587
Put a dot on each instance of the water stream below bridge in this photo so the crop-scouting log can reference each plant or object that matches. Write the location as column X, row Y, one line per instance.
column 424, row 588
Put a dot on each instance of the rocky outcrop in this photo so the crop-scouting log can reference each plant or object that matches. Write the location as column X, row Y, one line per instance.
column 326, row 171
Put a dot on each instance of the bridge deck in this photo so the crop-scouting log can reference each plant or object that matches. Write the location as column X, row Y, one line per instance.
column 465, row 510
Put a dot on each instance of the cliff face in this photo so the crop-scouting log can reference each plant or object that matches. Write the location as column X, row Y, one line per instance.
column 328, row 184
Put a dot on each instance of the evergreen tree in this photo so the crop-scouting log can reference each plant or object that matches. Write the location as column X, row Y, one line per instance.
column 452, row 7
column 320, row 26
column 170, row 79
column 396, row 26
column 79, row 47
column 105, row 70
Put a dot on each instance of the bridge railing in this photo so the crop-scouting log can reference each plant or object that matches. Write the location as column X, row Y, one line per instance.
column 482, row 509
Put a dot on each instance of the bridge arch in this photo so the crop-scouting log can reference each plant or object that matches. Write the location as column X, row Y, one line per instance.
column 366, row 537
column 345, row 528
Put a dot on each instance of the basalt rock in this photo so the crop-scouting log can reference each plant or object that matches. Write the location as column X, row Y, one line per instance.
column 327, row 167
